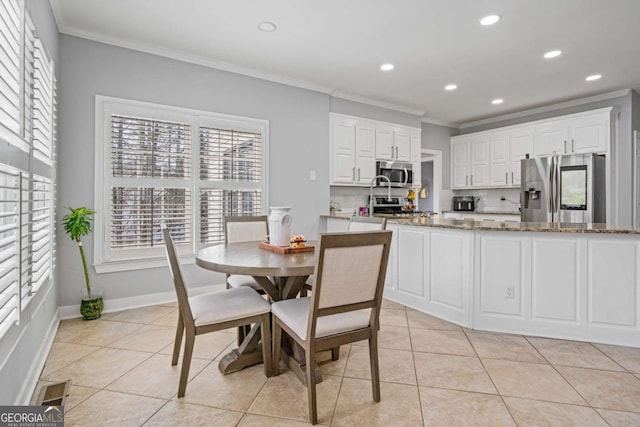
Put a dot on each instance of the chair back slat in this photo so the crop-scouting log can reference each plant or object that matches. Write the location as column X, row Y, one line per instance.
column 178, row 280
column 246, row 228
column 367, row 223
column 349, row 273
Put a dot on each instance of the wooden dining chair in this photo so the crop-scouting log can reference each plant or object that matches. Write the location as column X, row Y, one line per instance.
column 357, row 223
column 212, row 312
column 245, row 229
column 344, row 306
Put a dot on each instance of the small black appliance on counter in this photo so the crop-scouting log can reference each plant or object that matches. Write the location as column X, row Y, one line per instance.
column 464, row 203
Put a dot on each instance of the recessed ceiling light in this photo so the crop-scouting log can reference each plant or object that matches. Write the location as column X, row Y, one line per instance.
column 553, row 54
column 593, row 77
column 451, row 87
column 490, row 19
column 386, row 67
column 267, row 27
column 497, row 101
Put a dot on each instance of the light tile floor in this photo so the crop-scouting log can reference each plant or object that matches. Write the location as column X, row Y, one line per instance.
column 433, row 373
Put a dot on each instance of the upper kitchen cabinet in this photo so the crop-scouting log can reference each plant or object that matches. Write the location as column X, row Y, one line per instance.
column 357, row 143
column 506, row 150
column 491, row 159
column 470, row 161
column 393, row 144
column 352, row 151
column 577, row 133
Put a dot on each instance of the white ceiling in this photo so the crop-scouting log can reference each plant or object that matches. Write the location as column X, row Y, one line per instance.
column 337, row 46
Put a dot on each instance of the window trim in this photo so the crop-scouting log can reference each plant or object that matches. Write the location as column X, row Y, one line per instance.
column 104, row 105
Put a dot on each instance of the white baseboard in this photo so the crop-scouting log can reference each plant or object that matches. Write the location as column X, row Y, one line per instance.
column 29, row 385
column 118, row 304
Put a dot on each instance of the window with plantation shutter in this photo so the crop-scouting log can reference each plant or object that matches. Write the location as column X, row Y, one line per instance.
column 150, row 168
column 9, row 248
column 185, row 168
column 27, row 138
column 10, row 68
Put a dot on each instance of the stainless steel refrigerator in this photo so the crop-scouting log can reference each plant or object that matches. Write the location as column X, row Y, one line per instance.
column 568, row 189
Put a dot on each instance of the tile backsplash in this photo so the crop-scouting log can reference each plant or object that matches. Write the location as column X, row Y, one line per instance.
column 351, row 198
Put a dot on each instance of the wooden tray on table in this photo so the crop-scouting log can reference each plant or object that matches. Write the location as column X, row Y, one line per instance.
column 282, row 250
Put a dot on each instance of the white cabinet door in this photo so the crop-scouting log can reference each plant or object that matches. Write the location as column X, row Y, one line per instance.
column 343, row 143
column 365, row 161
column 500, row 165
column 390, row 281
column 551, row 138
column 384, row 143
column 402, row 143
column 412, row 254
column 479, row 163
column 460, row 163
column 588, row 134
column 521, row 144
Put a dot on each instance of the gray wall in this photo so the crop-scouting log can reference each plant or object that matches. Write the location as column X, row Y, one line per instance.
column 20, row 347
column 621, row 163
column 426, row 175
column 298, row 143
column 435, row 137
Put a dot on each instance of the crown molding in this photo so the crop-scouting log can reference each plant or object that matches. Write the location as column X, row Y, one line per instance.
column 194, row 59
column 376, row 103
column 547, row 108
column 440, row 122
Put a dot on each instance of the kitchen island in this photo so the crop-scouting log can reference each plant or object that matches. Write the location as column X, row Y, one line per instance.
column 570, row 281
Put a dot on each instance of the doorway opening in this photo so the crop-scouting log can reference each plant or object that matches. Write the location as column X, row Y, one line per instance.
column 430, row 181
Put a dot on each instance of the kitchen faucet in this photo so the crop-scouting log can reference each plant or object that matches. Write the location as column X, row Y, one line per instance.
column 371, row 191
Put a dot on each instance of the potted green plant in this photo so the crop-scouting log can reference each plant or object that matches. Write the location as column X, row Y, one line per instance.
column 78, row 224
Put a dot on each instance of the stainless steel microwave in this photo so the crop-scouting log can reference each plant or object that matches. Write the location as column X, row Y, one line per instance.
column 400, row 174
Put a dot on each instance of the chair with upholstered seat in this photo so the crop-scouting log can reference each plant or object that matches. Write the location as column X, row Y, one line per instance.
column 245, row 229
column 344, row 306
column 212, row 312
column 357, row 223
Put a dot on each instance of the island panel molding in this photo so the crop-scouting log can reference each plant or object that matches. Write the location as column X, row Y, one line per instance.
column 568, row 284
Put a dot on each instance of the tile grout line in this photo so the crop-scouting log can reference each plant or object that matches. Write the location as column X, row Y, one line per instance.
column 486, row 371
column 610, row 358
column 566, row 380
column 415, row 368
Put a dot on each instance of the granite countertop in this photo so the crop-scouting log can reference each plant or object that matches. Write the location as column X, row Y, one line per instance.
column 484, row 212
column 514, row 226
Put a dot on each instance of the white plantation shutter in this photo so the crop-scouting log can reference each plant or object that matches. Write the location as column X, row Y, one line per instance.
column 10, row 68
column 43, row 104
column 231, row 178
column 29, row 75
column 42, row 232
column 9, row 248
column 151, row 174
column 28, row 125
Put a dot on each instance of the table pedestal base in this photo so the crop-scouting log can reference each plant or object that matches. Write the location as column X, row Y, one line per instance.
column 249, row 352
column 236, row 361
column 299, row 368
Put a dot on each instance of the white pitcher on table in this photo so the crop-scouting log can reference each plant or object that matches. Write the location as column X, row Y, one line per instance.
column 279, row 226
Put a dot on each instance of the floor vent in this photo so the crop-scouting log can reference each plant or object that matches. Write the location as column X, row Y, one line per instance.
column 54, row 394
